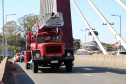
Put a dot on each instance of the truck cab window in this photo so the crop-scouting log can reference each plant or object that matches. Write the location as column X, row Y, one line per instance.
column 49, row 38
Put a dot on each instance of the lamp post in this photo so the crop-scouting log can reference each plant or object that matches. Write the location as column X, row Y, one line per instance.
column 6, row 35
column 120, row 27
column 3, row 26
column 85, row 38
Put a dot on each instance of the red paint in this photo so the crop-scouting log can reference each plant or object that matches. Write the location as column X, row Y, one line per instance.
column 27, row 56
column 42, row 46
column 17, row 58
column 63, row 6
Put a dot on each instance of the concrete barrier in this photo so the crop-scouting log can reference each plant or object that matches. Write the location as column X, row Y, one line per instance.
column 114, row 61
column 5, row 77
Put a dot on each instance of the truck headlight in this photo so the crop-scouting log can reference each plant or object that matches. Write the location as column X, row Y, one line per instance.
column 37, row 55
column 68, row 54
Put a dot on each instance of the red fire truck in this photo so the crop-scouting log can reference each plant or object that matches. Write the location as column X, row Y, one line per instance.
column 46, row 43
column 48, row 48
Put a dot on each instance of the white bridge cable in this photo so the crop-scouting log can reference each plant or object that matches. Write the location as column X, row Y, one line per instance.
column 90, row 29
column 117, row 36
column 122, row 3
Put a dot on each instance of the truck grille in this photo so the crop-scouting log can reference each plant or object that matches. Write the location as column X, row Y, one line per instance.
column 53, row 49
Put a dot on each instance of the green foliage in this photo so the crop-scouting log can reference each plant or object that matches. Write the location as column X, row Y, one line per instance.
column 108, row 47
column 16, row 34
column 26, row 23
column 11, row 28
column 76, row 44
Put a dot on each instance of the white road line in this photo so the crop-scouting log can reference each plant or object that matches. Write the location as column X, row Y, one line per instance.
column 87, row 75
column 83, row 74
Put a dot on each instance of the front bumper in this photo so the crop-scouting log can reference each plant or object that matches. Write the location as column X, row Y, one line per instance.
column 53, row 58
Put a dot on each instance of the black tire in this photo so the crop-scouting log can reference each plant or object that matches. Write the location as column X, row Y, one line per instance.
column 27, row 66
column 21, row 60
column 69, row 66
column 35, row 67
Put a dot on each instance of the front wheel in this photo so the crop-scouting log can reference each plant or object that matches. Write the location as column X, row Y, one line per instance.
column 27, row 66
column 69, row 66
column 35, row 67
column 21, row 60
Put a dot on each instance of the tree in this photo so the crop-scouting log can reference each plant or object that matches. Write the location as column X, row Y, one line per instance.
column 14, row 38
column 108, row 47
column 11, row 31
column 16, row 33
column 18, row 49
column 1, row 38
column 26, row 23
column 11, row 28
column 76, row 43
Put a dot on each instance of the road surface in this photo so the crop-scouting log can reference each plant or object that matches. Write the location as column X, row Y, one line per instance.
column 81, row 74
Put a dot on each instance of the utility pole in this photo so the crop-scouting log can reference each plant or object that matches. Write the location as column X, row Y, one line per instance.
column 3, row 26
column 85, row 39
column 6, row 37
column 120, row 27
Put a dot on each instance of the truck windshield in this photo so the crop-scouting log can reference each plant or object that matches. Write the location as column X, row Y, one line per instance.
column 50, row 38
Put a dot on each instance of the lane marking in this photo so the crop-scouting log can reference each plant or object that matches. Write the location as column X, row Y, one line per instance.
column 83, row 74
column 87, row 75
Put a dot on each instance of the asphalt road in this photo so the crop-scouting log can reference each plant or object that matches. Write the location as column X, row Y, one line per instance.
column 81, row 74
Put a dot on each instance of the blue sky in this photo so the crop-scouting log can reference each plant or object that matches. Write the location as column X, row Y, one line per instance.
column 107, row 8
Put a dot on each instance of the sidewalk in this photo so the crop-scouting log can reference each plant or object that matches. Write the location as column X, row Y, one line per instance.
column 20, row 77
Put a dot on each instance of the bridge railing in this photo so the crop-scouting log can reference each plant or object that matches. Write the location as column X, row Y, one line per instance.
column 114, row 61
column 5, row 77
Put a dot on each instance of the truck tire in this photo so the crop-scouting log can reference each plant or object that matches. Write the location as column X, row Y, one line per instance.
column 69, row 66
column 35, row 67
column 27, row 66
column 21, row 60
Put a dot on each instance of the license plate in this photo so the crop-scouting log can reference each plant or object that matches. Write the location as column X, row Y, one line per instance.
column 56, row 61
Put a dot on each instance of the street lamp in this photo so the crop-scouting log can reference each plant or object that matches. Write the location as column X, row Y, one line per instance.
column 109, row 23
column 85, row 38
column 3, row 26
column 6, row 35
column 120, row 27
